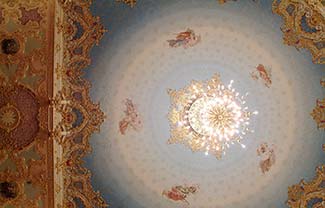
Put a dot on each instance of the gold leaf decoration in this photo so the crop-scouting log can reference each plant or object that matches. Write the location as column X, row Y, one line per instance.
column 318, row 114
column 203, row 116
column 304, row 25
column 308, row 193
column 76, row 115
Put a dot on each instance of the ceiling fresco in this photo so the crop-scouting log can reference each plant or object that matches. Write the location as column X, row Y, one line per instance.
column 201, row 103
column 143, row 71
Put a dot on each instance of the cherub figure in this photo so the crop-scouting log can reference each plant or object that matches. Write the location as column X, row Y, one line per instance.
column 322, row 81
column 180, row 193
column 267, row 157
column 186, row 39
column 263, row 73
column 131, row 119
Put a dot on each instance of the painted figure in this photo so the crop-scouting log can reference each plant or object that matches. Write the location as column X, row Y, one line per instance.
column 263, row 73
column 267, row 155
column 131, row 118
column 322, row 81
column 186, row 39
column 180, row 193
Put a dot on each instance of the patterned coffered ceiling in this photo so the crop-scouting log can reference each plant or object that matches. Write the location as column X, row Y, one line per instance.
column 59, row 149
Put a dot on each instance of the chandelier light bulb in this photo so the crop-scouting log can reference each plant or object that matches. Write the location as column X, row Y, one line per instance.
column 214, row 118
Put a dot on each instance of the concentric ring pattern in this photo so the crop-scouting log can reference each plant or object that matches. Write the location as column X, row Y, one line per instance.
column 134, row 61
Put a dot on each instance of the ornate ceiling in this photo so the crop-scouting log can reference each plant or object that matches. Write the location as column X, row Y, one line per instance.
column 59, row 148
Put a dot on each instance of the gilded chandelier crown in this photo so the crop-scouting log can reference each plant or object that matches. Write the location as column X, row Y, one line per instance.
column 208, row 116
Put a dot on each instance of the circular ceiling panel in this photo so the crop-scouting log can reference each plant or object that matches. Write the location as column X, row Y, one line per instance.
column 162, row 45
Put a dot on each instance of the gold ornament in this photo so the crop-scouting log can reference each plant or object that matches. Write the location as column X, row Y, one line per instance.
column 208, row 116
column 25, row 88
column 318, row 114
column 76, row 116
column 9, row 117
column 304, row 25
column 308, row 194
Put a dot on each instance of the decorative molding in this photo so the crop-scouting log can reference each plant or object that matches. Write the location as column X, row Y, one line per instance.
column 77, row 117
column 25, row 90
column 304, row 25
column 318, row 113
column 308, row 194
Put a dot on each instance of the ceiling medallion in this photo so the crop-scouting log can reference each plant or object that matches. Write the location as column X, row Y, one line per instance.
column 208, row 116
column 9, row 117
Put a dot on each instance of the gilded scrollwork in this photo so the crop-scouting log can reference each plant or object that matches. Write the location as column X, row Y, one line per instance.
column 318, row 113
column 304, row 25
column 78, row 116
column 308, row 194
column 25, row 89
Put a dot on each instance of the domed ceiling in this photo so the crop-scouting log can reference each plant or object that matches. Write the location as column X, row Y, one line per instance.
column 156, row 47
column 203, row 103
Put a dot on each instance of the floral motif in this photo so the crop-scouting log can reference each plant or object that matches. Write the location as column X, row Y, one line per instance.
column 304, row 25
column 25, row 88
column 318, row 113
column 180, row 193
column 76, row 115
column 131, row 118
column 262, row 72
column 267, row 157
column 185, row 39
column 16, row 131
column 9, row 117
column 308, row 194
column 29, row 15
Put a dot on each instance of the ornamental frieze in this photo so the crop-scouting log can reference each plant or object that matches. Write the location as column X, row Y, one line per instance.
column 308, row 193
column 304, row 25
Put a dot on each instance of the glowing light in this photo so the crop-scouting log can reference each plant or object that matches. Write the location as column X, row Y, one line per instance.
column 214, row 118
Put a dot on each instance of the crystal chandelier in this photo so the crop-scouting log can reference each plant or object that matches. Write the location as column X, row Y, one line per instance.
column 208, row 116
